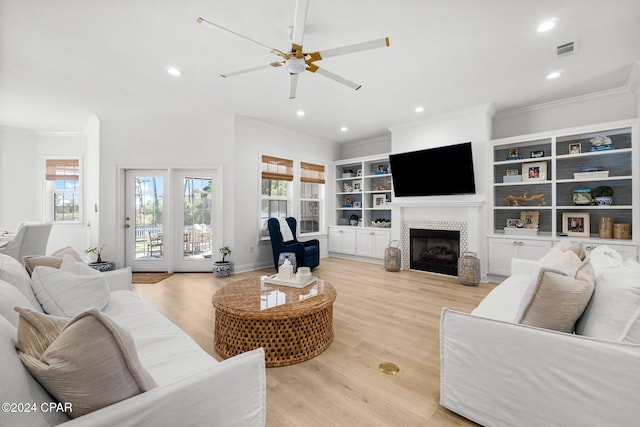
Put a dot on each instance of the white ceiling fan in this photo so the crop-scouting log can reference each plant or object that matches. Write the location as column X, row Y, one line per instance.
column 296, row 61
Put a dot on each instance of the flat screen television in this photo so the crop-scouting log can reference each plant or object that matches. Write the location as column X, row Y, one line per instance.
column 434, row 171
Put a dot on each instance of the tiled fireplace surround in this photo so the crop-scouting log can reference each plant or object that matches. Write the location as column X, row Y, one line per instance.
column 464, row 216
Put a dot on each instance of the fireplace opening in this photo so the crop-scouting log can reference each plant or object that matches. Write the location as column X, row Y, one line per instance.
column 436, row 251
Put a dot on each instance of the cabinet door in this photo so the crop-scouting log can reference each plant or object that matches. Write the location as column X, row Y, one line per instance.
column 502, row 250
column 342, row 240
column 372, row 243
column 500, row 253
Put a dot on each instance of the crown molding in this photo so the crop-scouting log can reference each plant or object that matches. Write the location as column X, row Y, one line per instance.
column 488, row 109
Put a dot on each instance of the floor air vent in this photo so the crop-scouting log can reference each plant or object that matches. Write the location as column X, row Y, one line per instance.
column 565, row 49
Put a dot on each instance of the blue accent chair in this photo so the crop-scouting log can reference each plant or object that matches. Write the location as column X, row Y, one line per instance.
column 307, row 252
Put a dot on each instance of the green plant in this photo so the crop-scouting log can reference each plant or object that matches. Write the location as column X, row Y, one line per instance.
column 224, row 251
column 354, row 217
column 602, row 191
column 97, row 250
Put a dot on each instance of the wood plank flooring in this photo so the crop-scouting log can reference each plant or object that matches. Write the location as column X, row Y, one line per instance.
column 379, row 316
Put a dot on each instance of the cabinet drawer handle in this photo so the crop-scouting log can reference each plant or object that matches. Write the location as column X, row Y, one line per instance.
column 372, row 233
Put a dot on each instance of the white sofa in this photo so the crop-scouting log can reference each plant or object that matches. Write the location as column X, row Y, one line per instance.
column 497, row 371
column 193, row 389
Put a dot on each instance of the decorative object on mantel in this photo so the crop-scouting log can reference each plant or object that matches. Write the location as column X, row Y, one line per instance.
column 469, row 269
column 602, row 195
column 601, row 143
column 223, row 268
column 392, row 256
column 524, row 199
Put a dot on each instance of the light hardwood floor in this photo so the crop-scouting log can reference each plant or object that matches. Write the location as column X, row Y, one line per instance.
column 379, row 316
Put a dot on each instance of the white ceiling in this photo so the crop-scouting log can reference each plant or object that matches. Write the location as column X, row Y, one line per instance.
column 62, row 60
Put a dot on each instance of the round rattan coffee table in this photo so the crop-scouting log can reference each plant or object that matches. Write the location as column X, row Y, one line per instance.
column 291, row 324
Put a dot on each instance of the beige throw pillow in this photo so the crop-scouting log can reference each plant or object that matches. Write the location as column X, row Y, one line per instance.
column 31, row 262
column 36, row 331
column 66, row 294
column 93, row 363
column 558, row 300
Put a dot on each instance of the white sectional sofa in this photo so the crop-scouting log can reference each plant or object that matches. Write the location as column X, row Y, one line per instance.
column 508, row 363
column 191, row 388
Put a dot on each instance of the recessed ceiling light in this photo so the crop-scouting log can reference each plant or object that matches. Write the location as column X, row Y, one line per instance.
column 174, row 71
column 300, row 113
column 344, row 129
column 546, row 25
column 419, row 109
column 553, row 75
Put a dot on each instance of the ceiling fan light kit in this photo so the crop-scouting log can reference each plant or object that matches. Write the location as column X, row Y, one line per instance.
column 296, row 61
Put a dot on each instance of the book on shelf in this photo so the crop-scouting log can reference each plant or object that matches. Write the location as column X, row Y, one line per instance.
column 591, row 175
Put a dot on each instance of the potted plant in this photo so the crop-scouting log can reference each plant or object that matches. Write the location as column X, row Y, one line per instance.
column 223, row 268
column 603, row 195
column 96, row 250
column 353, row 220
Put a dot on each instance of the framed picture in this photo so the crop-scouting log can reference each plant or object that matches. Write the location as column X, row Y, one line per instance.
column 357, row 204
column 576, row 224
column 359, row 172
column 357, row 186
column 536, row 171
column 575, row 148
column 514, row 223
column 536, row 154
column 379, row 200
column 530, row 219
column 510, row 172
column 513, row 152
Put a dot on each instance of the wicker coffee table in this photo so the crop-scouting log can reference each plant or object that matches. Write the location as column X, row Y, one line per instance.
column 291, row 324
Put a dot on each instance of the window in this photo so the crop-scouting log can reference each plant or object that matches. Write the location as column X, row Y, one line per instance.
column 63, row 189
column 311, row 198
column 277, row 175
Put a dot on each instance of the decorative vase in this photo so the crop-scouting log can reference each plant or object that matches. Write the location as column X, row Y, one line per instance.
column 99, row 260
column 469, row 269
column 222, row 268
column 604, row 201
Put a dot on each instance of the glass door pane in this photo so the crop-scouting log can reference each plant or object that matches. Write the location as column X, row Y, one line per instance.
column 149, row 217
column 197, row 232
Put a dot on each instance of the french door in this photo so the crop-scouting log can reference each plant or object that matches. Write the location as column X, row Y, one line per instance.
column 172, row 219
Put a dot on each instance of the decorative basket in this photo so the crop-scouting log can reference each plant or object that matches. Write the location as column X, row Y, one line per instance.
column 605, row 228
column 622, row 231
column 392, row 256
column 469, row 269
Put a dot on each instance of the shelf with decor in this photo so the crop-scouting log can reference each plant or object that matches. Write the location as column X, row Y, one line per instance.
column 363, row 190
column 579, row 183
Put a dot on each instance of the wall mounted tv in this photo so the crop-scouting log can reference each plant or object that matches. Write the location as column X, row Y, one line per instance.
column 433, row 171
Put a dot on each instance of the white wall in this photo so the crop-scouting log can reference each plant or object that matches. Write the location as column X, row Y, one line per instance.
column 18, row 183
column 254, row 138
column 22, row 162
column 224, row 140
column 585, row 110
column 367, row 147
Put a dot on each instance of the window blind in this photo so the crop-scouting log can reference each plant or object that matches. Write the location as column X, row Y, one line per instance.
column 311, row 173
column 63, row 169
column 277, row 168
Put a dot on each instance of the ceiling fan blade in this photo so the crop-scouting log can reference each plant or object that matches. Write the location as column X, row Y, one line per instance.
column 293, row 84
column 337, row 78
column 248, row 70
column 273, row 50
column 299, row 21
column 352, row 48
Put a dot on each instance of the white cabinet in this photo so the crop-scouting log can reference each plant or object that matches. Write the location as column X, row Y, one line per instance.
column 342, row 240
column 365, row 242
column 626, row 251
column 371, row 242
column 501, row 250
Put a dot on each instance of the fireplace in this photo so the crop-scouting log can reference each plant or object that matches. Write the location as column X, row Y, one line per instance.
column 436, row 251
